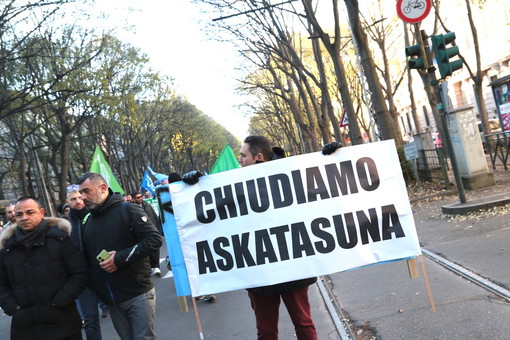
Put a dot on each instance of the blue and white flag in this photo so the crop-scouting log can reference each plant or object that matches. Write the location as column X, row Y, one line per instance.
column 150, row 169
column 147, row 183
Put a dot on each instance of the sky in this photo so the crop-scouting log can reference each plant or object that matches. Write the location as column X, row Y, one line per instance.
column 171, row 33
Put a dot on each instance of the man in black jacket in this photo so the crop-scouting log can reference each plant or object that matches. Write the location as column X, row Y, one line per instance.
column 123, row 280
column 41, row 274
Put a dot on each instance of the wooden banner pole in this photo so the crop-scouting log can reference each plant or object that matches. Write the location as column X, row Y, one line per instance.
column 197, row 317
column 183, row 304
column 426, row 278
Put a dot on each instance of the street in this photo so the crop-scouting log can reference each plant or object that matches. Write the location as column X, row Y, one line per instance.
column 229, row 318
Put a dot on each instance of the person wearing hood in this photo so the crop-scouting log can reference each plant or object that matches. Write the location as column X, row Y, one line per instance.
column 118, row 238
column 42, row 272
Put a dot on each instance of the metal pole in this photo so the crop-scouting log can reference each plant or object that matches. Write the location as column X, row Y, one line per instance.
column 444, row 122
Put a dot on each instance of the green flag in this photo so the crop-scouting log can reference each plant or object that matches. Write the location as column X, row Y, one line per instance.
column 226, row 161
column 100, row 166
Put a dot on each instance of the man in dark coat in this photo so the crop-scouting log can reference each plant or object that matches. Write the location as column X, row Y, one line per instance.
column 42, row 272
column 123, row 279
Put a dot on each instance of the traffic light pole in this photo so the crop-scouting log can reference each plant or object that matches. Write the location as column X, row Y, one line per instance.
column 443, row 112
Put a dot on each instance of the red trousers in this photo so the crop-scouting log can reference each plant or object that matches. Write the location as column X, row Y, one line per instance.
column 266, row 310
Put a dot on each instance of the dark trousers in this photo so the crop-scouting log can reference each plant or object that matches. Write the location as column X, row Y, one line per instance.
column 89, row 301
column 266, row 310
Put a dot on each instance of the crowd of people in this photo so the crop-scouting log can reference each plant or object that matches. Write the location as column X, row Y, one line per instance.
column 56, row 273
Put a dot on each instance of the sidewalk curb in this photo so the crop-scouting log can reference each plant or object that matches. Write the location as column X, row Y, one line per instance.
column 341, row 324
column 476, row 204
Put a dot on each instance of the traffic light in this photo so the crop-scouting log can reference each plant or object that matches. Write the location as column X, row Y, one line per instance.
column 443, row 54
column 417, row 62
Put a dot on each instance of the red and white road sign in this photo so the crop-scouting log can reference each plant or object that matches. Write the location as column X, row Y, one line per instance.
column 345, row 120
column 413, row 11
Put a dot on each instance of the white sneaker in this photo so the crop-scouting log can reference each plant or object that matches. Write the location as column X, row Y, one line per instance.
column 156, row 272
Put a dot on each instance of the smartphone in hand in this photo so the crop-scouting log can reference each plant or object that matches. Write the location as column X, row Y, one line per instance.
column 103, row 256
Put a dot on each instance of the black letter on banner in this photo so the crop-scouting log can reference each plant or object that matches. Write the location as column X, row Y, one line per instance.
column 241, row 251
column 205, row 258
column 361, row 166
column 298, row 186
column 300, row 241
column 390, row 213
column 264, row 247
column 329, row 241
column 371, row 225
column 340, row 179
column 313, row 176
column 281, row 198
column 226, row 201
column 253, row 197
column 341, row 235
column 241, row 199
column 228, row 262
column 205, row 198
column 281, row 240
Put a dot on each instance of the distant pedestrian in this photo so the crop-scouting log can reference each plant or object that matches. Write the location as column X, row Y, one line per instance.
column 42, row 272
column 122, row 276
column 10, row 215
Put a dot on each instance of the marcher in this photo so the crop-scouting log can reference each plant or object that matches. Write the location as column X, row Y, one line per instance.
column 10, row 215
column 123, row 278
column 40, row 296
column 265, row 300
column 149, row 210
column 88, row 299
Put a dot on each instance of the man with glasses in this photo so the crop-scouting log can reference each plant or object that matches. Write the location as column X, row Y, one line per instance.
column 149, row 210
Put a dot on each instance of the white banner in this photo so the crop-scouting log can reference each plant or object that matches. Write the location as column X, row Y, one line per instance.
column 294, row 218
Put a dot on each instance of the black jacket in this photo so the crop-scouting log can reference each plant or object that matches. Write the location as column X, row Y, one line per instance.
column 125, row 228
column 75, row 218
column 43, row 278
column 149, row 210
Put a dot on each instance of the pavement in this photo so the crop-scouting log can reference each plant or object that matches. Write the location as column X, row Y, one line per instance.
column 385, row 303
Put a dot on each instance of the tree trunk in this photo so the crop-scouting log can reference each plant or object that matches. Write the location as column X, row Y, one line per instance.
column 383, row 118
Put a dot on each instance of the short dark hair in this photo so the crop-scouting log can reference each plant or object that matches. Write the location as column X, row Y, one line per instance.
column 10, row 203
column 260, row 144
column 93, row 176
column 26, row 198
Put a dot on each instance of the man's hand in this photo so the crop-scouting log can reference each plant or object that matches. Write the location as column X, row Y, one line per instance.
column 109, row 265
column 328, row 149
column 192, row 177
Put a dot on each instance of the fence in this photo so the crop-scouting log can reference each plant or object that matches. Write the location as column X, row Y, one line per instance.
column 497, row 146
column 433, row 166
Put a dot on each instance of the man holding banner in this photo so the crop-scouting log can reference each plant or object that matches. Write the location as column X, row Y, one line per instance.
column 265, row 300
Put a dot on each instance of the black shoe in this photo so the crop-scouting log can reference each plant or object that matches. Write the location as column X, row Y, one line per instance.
column 106, row 315
column 210, row 298
column 201, row 297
